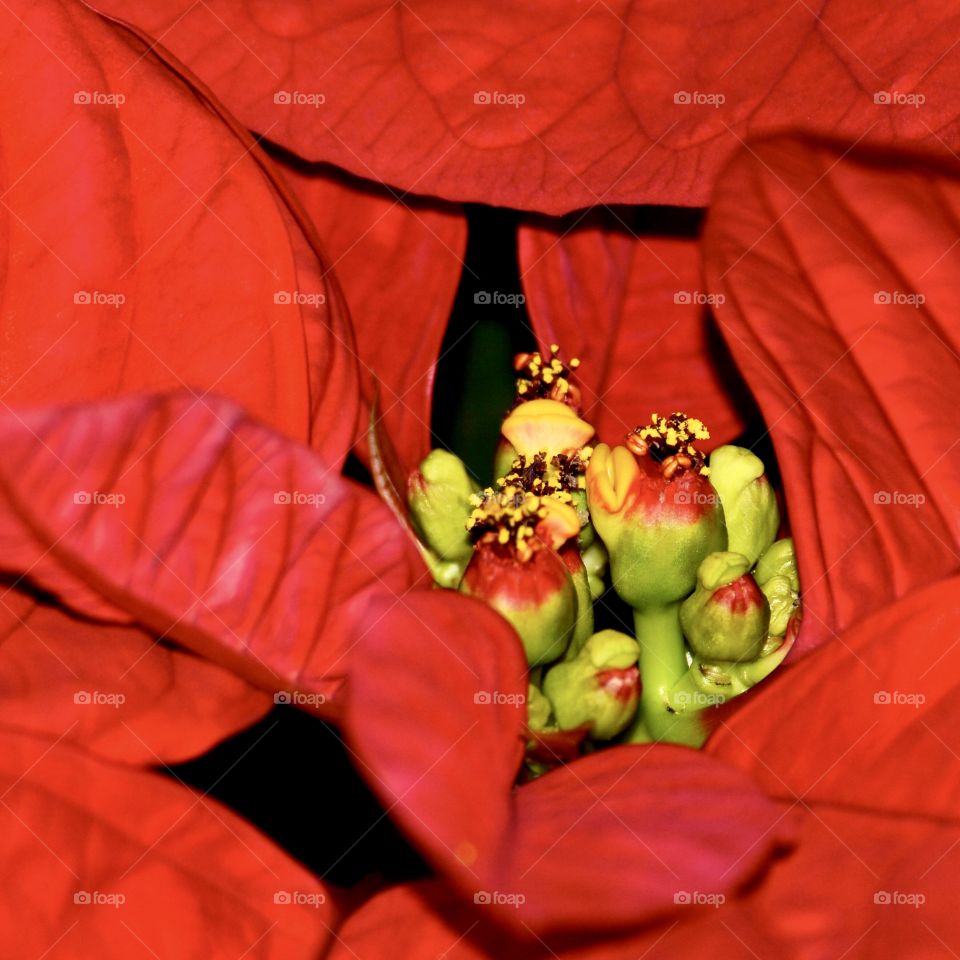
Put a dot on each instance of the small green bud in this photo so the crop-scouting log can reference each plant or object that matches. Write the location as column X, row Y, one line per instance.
column 538, row 709
column 783, row 602
column 581, row 583
column 657, row 525
column 599, row 688
column 727, row 617
column 439, row 497
column 595, row 559
column 536, row 595
column 778, row 560
column 749, row 503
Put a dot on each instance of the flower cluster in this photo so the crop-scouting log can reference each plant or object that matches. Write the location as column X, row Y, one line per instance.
column 689, row 542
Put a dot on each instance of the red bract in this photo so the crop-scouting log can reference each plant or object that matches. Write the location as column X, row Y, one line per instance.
column 147, row 246
column 114, row 689
column 250, row 551
column 398, row 259
column 632, row 304
column 104, row 861
column 132, row 207
column 840, row 272
column 142, row 210
column 620, row 102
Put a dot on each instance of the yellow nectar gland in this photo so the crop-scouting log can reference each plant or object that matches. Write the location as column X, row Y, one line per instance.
column 670, row 441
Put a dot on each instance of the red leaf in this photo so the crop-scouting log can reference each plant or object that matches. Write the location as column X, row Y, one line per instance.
column 436, row 728
column 599, row 122
column 146, row 245
column 628, row 303
column 195, row 879
column 609, row 840
column 851, row 888
column 399, row 260
column 229, row 539
column 115, row 690
column 437, row 733
column 808, row 242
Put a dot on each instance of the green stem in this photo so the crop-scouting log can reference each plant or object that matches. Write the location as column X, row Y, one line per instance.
column 663, row 661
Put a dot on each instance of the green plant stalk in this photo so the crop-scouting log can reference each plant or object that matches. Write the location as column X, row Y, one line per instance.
column 663, row 661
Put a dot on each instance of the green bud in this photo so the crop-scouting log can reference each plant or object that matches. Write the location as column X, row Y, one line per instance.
column 581, row 583
column 538, row 709
column 727, row 617
column 709, row 683
column 595, row 559
column 599, row 688
column 536, row 595
column 439, row 498
column 656, row 529
column 783, row 602
column 749, row 503
column 778, row 560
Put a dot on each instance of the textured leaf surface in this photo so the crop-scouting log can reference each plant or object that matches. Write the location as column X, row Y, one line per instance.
column 840, row 270
column 196, row 881
column 621, row 100
column 628, row 299
column 144, row 245
column 206, row 528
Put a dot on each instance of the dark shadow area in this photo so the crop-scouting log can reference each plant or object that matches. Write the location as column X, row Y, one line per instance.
column 292, row 777
column 489, row 324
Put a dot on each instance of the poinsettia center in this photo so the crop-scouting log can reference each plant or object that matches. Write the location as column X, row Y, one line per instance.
column 689, row 548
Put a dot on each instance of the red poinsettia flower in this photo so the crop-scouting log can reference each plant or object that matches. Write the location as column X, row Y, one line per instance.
column 180, row 517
